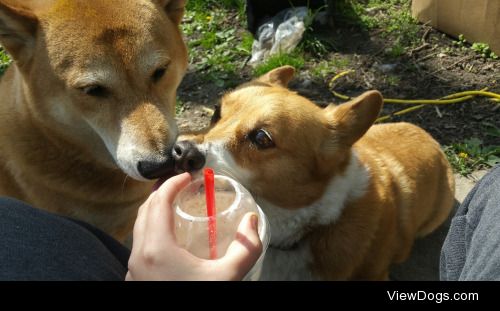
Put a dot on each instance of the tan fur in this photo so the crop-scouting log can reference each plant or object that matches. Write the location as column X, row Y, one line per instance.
column 410, row 195
column 410, row 187
column 57, row 142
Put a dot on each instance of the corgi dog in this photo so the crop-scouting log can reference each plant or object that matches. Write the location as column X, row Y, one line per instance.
column 87, row 107
column 345, row 199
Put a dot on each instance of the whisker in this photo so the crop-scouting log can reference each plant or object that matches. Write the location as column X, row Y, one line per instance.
column 124, row 182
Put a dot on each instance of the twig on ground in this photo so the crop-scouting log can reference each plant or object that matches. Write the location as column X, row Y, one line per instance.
column 438, row 77
column 454, row 64
column 426, row 33
column 380, row 51
column 424, row 42
column 440, row 115
column 418, row 49
column 376, row 32
column 428, row 56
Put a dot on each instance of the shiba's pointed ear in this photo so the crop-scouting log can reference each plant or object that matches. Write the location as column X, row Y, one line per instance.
column 174, row 9
column 18, row 26
column 350, row 121
column 280, row 76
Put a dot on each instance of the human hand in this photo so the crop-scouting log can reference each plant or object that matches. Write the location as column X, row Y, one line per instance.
column 156, row 255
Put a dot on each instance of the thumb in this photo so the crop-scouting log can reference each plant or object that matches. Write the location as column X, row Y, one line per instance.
column 244, row 251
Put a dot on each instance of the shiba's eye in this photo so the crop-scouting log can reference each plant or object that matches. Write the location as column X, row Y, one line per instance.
column 261, row 138
column 94, row 90
column 216, row 116
column 158, row 74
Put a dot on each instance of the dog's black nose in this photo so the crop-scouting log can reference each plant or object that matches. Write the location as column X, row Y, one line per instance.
column 156, row 169
column 187, row 157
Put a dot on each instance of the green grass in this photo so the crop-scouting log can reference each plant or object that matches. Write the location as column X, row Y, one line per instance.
column 396, row 50
column 204, row 5
column 480, row 48
column 246, row 43
column 311, row 43
column 484, row 50
column 179, row 106
column 393, row 17
column 217, row 48
column 329, row 67
column 403, row 25
column 4, row 61
column 393, row 80
column 471, row 154
column 296, row 60
column 314, row 45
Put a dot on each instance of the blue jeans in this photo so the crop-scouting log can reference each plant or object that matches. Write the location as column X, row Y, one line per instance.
column 471, row 250
column 37, row 245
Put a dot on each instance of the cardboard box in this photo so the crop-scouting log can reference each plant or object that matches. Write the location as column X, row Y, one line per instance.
column 477, row 20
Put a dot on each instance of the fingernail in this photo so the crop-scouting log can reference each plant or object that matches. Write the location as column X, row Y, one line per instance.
column 254, row 220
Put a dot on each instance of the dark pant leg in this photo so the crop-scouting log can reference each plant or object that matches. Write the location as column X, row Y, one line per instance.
column 472, row 248
column 37, row 245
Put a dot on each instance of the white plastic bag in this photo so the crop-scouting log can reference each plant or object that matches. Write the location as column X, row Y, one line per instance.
column 279, row 35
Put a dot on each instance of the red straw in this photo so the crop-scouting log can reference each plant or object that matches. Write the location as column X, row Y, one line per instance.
column 212, row 223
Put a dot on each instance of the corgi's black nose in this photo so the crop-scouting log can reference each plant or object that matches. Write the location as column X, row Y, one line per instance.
column 156, row 169
column 187, row 157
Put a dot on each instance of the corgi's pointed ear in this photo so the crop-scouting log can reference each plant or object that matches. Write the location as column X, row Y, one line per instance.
column 279, row 76
column 174, row 8
column 18, row 26
column 350, row 121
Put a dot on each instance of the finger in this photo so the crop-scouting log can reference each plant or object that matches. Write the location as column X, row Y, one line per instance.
column 128, row 277
column 140, row 223
column 244, row 251
column 174, row 184
column 142, row 209
column 160, row 219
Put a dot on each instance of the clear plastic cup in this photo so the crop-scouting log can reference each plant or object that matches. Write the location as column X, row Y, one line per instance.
column 232, row 202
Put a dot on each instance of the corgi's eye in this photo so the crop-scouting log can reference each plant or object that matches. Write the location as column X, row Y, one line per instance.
column 261, row 138
column 94, row 90
column 216, row 116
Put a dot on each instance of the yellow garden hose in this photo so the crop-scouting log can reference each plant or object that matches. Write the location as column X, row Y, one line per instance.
column 450, row 99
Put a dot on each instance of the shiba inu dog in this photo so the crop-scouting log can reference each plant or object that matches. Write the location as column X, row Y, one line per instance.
column 89, row 101
column 345, row 198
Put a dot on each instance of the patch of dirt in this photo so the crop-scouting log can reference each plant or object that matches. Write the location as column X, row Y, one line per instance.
column 430, row 71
